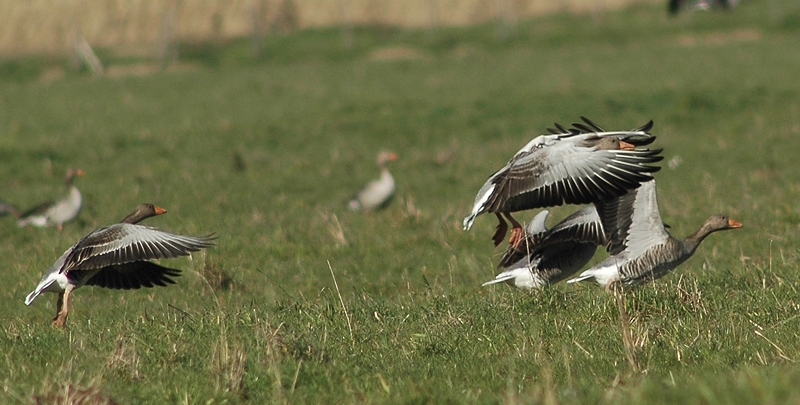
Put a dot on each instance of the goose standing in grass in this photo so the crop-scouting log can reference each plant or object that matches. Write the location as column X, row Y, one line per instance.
column 547, row 256
column 377, row 193
column 580, row 165
column 117, row 257
column 641, row 248
column 56, row 213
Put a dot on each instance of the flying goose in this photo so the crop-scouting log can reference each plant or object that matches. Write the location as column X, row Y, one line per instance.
column 641, row 248
column 547, row 256
column 117, row 257
column 56, row 213
column 580, row 165
column 377, row 193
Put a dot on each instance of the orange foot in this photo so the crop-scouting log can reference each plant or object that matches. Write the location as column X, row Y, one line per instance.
column 60, row 321
column 516, row 237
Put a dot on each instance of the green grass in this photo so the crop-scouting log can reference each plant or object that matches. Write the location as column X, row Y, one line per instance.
column 307, row 121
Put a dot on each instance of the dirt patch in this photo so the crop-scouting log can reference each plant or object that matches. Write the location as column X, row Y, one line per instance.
column 721, row 38
column 396, row 53
column 146, row 69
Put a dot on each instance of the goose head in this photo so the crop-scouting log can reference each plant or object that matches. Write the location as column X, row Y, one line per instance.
column 142, row 212
column 607, row 143
column 717, row 222
column 71, row 174
column 384, row 157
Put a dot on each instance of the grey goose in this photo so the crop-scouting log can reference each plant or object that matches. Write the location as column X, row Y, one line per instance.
column 547, row 256
column 641, row 249
column 117, row 257
column 377, row 193
column 56, row 213
column 579, row 165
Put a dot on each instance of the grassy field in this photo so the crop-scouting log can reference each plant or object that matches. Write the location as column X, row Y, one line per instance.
column 265, row 153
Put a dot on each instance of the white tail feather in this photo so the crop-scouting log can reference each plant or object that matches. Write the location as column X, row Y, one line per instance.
column 499, row 279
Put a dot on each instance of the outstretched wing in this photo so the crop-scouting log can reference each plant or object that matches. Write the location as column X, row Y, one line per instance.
column 125, row 243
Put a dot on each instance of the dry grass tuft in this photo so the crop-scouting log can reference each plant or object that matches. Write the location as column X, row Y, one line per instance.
column 335, row 228
column 125, row 357
column 229, row 365
column 69, row 394
column 140, row 26
column 216, row 276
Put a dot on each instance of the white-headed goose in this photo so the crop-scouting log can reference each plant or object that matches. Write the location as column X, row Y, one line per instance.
column 117, row 257
column 641, row 248
column 547, row 256
column 580, row 165
column 377, row 193
column 56, row 213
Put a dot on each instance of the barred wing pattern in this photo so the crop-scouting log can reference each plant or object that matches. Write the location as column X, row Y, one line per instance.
column 582, row 226
column 125, row 243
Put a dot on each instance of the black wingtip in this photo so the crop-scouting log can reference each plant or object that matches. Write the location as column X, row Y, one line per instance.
column 592, row 124
column 646, row 127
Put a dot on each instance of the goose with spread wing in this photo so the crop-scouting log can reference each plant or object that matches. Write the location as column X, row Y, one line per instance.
column 377, row 193
column 117, row 257
column 547, row 256
column 56, row 213
column 580, row 165
column 641, row 248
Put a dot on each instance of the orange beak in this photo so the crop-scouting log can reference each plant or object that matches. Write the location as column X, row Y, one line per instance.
column 732, row 223
column 626, row 146
column 160, row 210
column 79, row 172
column 391, row 156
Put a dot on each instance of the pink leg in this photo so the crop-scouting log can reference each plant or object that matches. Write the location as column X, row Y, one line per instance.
column 516, row 231
column 63, row 308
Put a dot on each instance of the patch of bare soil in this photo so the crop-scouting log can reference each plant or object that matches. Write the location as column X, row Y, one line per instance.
column 721, row 38
column 396, row 53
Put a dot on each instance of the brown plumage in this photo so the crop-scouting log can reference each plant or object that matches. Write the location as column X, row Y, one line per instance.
column 117, row 256
column 576, row 166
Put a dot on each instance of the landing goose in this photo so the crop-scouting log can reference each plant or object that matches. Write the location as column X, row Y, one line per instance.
column 117, row 257
column 641, row 248
column 547, row 256
column 580, row 165
column 377, row 193
column 56, row 213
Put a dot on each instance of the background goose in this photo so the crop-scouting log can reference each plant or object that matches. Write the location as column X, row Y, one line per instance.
column 641, row 248
column 575, row 166
column 545, row 256
column 56, row 213
column 117, row 257
column 6, row 209
column 377, row 193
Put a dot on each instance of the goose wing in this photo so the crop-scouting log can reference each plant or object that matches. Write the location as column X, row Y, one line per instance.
column 569, row 173
column 633, row 222
column 125, row 243
column 582, row 226
column 131, row 276
column 638, row 136
column 535, row 232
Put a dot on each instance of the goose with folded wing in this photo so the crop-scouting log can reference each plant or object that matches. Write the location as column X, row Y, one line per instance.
column 377, row 193
column 56, row 213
